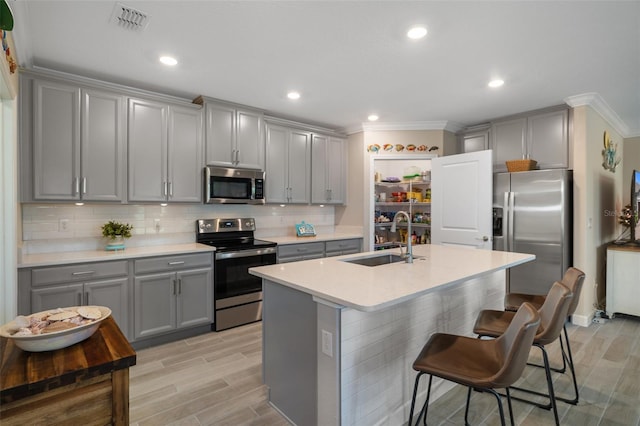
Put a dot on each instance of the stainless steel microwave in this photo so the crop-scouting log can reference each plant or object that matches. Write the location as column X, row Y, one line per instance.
column 233, row 186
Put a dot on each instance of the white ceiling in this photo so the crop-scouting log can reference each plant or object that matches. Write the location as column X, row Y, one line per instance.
column 351, row 58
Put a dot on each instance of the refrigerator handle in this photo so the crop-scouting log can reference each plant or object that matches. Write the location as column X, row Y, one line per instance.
column 512, row 224
column 505, row 221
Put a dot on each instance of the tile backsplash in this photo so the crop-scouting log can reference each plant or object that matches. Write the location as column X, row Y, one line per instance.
column 65, row 227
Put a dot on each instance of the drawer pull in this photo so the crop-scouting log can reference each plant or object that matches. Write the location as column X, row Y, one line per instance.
column 83, row 273
column 176, row 263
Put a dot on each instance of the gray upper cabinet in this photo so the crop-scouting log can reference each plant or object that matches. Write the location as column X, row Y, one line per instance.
column 234, row 136
column 56, row 141
column 147, row 139
column 541, row 136
column 508, row 142
column 328, row 159
column 102, row 146
column 476, row 138
column 165, row 152
column 78, row 143
column 548, row 139
column 287, row 165
column 185, row 154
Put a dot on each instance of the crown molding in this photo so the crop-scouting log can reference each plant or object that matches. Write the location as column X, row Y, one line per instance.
column 599, row 105
column 449, row 126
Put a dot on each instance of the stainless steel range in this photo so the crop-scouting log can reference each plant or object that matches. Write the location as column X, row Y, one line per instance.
column 237, row 294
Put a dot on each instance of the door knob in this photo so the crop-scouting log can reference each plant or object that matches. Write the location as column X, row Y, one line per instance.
column 484, row 238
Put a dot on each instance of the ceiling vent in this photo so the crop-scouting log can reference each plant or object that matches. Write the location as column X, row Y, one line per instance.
column 129, row 18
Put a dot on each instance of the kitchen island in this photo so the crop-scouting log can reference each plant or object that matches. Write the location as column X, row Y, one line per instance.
column 339, row 338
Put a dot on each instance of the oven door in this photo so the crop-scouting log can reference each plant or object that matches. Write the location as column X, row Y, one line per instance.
column 238, row 295
column 232, row 271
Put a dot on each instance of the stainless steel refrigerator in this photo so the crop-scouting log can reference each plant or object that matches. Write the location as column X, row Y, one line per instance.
column 533, row 213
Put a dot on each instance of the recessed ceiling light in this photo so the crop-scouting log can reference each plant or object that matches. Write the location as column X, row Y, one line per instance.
column 416, row 33
column 293, row 95
column 373, row 117
column 496, row 83
column 168, row 60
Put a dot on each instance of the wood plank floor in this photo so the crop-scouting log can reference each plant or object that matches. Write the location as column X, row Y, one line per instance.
column 215, row 379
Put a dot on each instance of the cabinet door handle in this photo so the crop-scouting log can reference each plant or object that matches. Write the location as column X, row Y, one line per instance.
column 86, row 297
column 76, row 186
column 164, row 184
column 79, row 299
column 174, row 287
column 237, row 156
column 83, row 273
column 179, row 285
column 84, row 185
column 170, row 189
column 176, row 263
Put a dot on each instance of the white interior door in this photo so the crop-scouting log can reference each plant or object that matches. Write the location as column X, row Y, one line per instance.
column 461, row 197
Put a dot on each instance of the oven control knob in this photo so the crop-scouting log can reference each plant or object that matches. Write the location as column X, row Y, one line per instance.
column 208, row 226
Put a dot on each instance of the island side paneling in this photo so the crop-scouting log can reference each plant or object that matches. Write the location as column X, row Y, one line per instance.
column 377, row 349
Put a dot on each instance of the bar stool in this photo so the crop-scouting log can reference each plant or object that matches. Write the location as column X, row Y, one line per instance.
column 553, row 313
column 480, row 364
column 573, row 279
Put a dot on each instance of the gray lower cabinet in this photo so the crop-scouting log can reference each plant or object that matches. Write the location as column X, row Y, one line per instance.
column 342, row 247
column 302, row 251
column 76, row 139
column 165, row 152
column 103, row 284
column 170, row 294
column 318, row 249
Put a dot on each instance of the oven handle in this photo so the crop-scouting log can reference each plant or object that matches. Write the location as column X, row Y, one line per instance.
column 245, row 253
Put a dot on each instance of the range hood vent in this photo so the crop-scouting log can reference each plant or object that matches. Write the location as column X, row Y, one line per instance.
column 129, row 18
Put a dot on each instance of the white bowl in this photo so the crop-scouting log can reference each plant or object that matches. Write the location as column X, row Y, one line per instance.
column 58, row 339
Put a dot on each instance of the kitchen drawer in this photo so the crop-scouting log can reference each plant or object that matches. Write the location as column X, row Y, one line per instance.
column 343, row 246
column 78, row 273
column 305, row 249
column 172, row 263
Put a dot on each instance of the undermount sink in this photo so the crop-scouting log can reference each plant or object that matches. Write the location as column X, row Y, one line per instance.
column 376, row 260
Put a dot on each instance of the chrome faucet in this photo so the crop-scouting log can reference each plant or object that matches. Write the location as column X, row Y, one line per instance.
column 408, row 257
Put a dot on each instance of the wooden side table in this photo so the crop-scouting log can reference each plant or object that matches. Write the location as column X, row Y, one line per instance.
column 86, row 383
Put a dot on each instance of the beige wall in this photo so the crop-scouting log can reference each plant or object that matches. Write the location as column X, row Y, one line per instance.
column 597, row 197
column 352, row 214
column 630, row 162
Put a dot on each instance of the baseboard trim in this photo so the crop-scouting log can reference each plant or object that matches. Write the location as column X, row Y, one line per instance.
column 582, row 320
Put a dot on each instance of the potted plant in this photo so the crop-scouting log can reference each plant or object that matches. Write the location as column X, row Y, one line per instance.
column 116, row 232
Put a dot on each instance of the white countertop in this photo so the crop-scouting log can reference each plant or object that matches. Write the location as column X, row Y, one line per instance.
column 48, row 259
column 366, row 288
column 292, row 239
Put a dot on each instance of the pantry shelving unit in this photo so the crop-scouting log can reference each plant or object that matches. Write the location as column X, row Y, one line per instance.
column 419, row 210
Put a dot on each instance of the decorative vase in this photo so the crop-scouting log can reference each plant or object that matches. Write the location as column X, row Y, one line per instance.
column 115, row 243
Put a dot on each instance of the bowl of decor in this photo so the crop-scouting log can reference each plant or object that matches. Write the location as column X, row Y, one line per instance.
column 55, row 328
column 116, row 232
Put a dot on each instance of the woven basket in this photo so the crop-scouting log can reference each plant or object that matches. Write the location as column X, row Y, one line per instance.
column 521, row 165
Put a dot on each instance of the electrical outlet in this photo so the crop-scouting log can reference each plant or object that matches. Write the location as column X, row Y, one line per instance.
column 63, row 225
column 327, row 343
